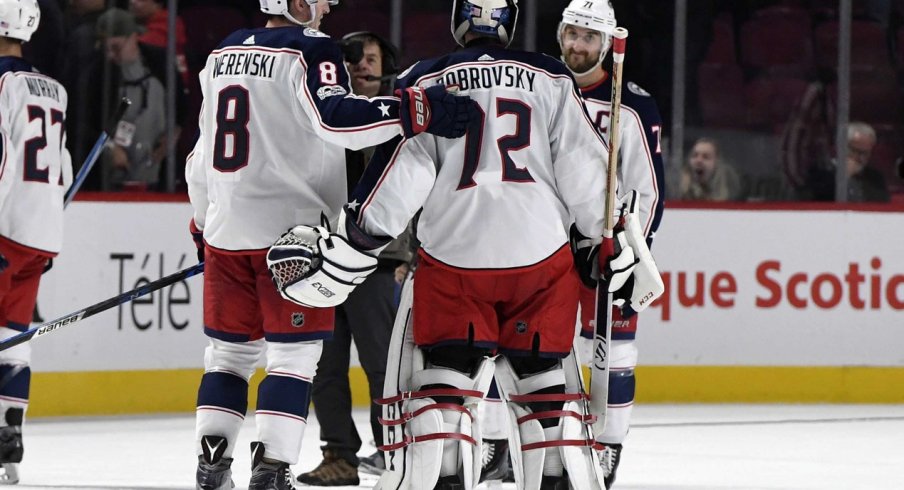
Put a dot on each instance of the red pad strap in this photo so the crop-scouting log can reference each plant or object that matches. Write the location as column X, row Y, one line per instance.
column 413, row 395
column 554, row 414
column 428, row 437
column 548, row 397
column 406, row 416
column 561, row 443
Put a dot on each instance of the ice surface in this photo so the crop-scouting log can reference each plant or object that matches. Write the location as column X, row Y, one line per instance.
column 670, row 447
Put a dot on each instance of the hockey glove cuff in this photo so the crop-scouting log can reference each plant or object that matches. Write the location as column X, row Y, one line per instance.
column 434, row 110
column 198, row 237
column 585, row 251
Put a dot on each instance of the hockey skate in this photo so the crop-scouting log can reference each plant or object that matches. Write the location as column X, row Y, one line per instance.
column 11, row 451
column 495, row 459
column 609, row 459
column 214, row 471
column 373, row 464
column 11, row 448
column 266, row 475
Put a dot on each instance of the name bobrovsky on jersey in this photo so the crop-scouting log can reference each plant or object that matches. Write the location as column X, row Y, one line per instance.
column 40, row 87
column 254, row 64
column 476, row 77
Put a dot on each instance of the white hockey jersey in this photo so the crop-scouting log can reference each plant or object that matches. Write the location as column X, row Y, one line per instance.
column 505, row 195
column 277, row 115
column 640, row 166
column 35, row 166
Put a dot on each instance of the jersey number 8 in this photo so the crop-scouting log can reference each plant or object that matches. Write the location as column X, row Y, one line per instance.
column 232, row 144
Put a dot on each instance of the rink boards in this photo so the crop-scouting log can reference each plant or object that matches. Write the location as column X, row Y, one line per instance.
column 764, row 304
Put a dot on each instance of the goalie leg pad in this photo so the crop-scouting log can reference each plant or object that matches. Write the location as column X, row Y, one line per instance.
column 550, row 424
column 440, row 435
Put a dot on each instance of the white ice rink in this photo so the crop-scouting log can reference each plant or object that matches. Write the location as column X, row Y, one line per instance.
column 671, row 447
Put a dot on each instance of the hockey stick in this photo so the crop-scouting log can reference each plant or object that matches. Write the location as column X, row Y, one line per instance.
column 599, row 379
column 92, row 310
column 79, row 179
column 95, row 152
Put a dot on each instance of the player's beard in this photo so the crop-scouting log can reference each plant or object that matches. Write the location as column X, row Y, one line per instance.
column 580, row 62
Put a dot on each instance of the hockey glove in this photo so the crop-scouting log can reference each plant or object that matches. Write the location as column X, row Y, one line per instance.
column 585, row 251
column 619, row 262
column 3, row 263
column 47, row 265
column 435, row 111
column 314, row 267
column 645, row 283
column 198, row 237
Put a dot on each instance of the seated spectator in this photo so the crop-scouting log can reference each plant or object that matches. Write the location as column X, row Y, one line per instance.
column 138, row 146
column 706, row 178
column 153, row 18
column 865, row 183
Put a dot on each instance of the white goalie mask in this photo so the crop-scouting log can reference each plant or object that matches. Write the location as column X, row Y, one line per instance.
column 281, row 7
column 597, row 15
column 491, row 18
column 19, row 19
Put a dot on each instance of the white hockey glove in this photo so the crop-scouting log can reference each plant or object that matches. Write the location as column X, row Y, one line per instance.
column 619, row 265
column 645, row 283
column 316, row 268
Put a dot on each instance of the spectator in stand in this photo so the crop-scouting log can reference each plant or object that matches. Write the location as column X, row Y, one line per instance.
column 368, row 314
column 153, row 17
column 80, row 63
column 705, row 177
column 865, row 183
column 138, row 145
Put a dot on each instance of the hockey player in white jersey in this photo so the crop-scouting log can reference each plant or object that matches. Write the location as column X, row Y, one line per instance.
column 585, row 37
column 35, row 171
column 277, row 116
column 496, row 287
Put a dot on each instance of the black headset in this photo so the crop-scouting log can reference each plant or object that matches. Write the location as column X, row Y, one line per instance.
column 353, row 51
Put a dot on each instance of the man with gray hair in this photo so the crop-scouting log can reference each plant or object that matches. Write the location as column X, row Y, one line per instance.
column 865, row 183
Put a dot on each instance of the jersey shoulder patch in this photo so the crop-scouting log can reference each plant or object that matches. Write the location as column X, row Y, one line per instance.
column 633, row 87
column 314, row 33
column 407, row 70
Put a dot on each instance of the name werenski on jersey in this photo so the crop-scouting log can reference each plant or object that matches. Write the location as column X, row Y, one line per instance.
column 244, row 64
column 476, row 77
column 42, row 88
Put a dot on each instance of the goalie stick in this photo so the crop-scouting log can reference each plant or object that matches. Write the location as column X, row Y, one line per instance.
column 48, row 327
column 599, row 364
column 95, row 152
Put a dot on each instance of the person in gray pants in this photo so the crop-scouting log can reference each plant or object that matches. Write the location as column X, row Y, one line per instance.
column 369, row 312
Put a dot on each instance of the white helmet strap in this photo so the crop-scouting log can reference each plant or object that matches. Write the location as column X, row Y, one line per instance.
column 310, row 23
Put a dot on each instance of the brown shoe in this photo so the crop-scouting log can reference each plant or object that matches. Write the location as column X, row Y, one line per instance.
column 333, row 471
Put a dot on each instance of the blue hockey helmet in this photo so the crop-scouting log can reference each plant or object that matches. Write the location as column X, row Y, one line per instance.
column 489, row 18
